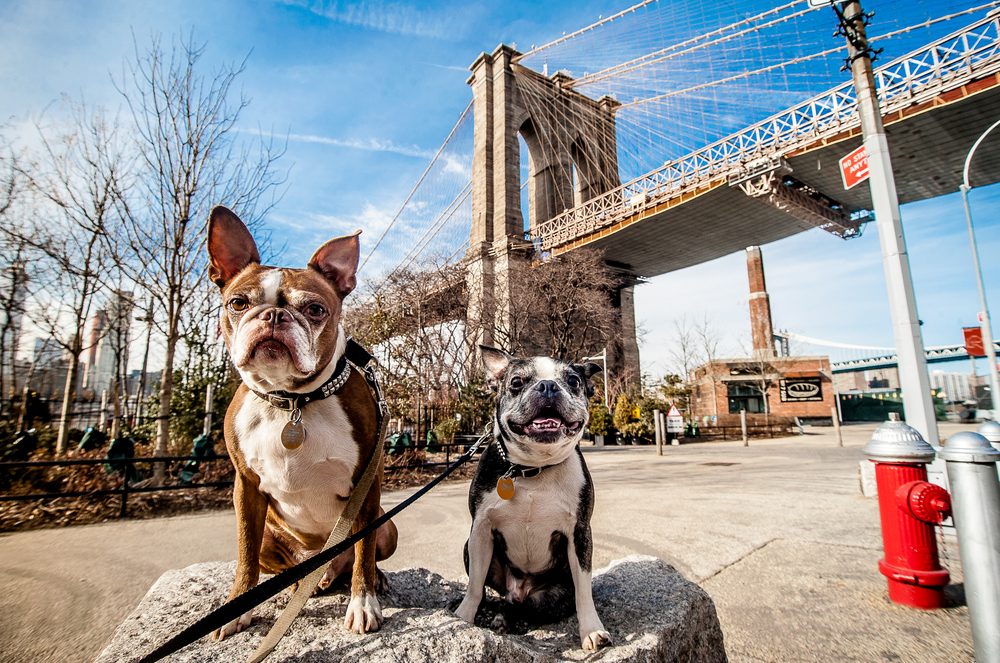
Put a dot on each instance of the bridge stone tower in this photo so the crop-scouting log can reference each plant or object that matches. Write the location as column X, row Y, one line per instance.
column 572, row 157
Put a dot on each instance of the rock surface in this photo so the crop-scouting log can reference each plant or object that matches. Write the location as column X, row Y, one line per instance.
column 651, row 611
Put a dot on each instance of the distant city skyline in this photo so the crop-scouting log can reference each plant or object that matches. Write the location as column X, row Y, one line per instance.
column 366, row 93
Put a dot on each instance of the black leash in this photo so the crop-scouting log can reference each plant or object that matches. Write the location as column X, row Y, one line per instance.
column 250, row 599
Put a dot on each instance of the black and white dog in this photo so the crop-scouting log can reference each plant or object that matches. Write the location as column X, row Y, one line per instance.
column 532, row 498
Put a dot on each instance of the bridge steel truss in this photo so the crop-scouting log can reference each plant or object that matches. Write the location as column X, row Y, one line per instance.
column 920, row 76
column 936, row 354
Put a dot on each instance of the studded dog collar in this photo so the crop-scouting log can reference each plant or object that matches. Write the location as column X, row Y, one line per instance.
column 294, row 433
column 505, row 484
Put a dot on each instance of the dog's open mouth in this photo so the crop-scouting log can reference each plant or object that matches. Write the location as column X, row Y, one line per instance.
column 546, row 423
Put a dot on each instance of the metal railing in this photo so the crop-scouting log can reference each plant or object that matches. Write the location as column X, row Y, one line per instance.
column 121, row 466
column 125, row 466
column 941, row 66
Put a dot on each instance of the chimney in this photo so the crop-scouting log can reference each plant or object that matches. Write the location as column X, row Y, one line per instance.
column 761, row 329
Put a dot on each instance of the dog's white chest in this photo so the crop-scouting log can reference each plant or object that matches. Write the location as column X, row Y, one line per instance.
column 541, row 505
column 308, row 486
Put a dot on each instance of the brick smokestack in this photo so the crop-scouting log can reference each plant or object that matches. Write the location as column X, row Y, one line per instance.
column 761, row 329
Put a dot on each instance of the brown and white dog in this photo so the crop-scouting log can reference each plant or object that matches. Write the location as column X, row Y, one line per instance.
column 284, row 333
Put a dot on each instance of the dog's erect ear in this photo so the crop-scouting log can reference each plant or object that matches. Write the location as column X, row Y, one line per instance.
column 587, row 371
column 496, row 362
column 230, row 246
column 338, row 260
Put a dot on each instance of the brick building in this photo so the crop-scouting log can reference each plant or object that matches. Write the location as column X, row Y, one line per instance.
column 794, row 386
column 765, row 382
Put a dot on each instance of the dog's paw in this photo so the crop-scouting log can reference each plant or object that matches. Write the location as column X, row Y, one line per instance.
column 364, row 614
column 499, row 624
column 466, row 610
column 595, row 640
column 381, row 582
column 233, row 627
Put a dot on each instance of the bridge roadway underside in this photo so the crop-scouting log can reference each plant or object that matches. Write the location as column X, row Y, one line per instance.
column 928, row 144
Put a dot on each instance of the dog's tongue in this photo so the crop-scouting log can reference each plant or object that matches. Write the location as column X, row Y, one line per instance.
column 546, row 424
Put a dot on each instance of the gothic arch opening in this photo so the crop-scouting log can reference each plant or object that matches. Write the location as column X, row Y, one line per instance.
column 583, row 173
column 529, row 154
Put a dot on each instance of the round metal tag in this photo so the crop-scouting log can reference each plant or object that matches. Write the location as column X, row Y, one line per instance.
column 293, row 435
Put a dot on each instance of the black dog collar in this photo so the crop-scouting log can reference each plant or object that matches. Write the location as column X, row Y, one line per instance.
column 515, row 469
column 288, row 401
column 354, row 355
column 294, row 432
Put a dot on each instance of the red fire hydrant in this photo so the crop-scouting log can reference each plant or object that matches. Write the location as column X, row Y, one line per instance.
column 909, row 507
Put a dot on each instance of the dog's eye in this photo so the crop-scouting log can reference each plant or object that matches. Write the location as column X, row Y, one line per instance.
column 238, row 304
column 573, row 382
column 516, row 384
column 315, row 311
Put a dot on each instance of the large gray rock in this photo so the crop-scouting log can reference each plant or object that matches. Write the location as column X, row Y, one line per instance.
column 652, row 613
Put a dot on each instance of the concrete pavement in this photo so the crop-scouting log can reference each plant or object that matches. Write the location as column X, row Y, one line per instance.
column 777, row 533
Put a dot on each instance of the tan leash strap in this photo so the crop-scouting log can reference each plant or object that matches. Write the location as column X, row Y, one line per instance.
column 340, row 532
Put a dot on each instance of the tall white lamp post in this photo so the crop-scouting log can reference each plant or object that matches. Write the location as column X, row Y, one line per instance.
column 984, row 312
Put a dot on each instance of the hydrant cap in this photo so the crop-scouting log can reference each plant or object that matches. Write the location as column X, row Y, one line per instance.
column 895, row 442
column 968, row 447
column 991, row 431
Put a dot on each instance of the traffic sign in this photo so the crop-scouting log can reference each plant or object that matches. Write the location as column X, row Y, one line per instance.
column 675, row 421
column 854, row 168
column 974, row 341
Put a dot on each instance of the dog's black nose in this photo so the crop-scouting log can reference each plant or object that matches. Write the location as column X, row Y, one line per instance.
column 548, row 388
column 275, row 316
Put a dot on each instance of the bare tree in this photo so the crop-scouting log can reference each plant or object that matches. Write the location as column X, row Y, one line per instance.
column 13, row 266
column 14, row 279
column 414, row 320
column 708, row 345
column 10, row 177
column 418, row 322
column 189, row 160
column 684, row 358
column 560, row 307
column 77, row 179
column 761, row 375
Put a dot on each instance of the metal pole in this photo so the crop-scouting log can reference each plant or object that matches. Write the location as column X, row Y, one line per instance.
column 141, row 394
column 210, row 394
column 743, row 428
column 607, row 389
column 102, row 423
column 984, row 311
column 209, row 397
column 658, row 431
column 975, row 500
column 836, row 426
column 909, row 343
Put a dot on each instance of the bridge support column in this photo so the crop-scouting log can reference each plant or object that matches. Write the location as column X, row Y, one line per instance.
column 623, row 353
column 572, row 156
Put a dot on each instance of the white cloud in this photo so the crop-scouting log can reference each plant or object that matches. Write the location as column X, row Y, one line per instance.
column 390, row 17
column 369, row 144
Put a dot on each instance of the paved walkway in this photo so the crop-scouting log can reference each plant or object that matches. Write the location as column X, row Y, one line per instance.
column 777, row 533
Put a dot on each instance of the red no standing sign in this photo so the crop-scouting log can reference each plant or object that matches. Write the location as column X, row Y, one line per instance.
column 854, row 167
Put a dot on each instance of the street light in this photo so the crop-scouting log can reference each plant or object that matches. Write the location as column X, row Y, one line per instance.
column 604, row 361
column 140, row 393
column 984, row 313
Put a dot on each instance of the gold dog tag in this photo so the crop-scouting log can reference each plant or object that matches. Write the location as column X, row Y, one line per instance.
column 505, row 488
column 294, row 433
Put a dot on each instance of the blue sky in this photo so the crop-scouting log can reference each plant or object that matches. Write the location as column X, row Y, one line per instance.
column 368, row 91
